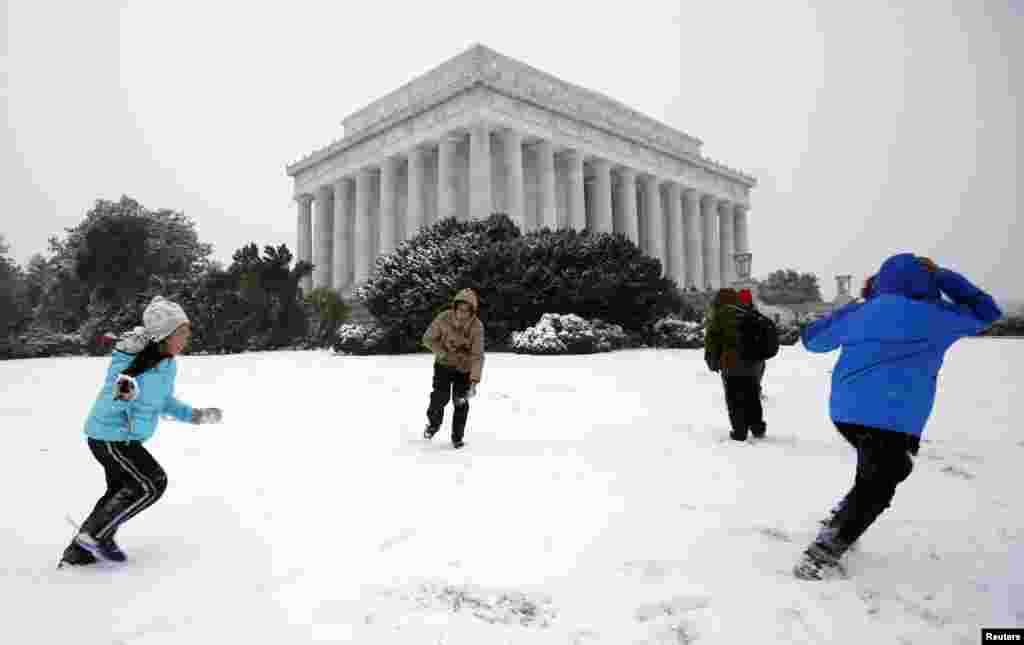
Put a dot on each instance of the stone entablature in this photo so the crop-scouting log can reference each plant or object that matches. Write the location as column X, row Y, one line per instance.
column 461, row 111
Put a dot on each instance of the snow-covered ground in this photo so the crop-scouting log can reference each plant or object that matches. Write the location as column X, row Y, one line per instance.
column 595, row 502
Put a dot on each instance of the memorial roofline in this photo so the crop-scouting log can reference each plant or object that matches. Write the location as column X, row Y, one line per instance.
column 480, row 66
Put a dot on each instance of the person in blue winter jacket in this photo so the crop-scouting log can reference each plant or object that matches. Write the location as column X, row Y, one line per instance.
column 883, row 386
column 137, row 391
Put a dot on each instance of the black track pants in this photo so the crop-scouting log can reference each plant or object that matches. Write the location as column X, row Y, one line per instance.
column 135, row 481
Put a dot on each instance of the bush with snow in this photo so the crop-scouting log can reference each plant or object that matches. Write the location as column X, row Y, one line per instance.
column 568, row 334
column 673, row 331
column 789, row 334
column 1012, row 325
column 360, row 339
column 42, row 343
column 517, row 277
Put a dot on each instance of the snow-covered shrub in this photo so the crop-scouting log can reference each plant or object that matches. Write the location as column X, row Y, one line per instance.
column 672, row 331
column 361, row 339
column 518, row 278
column 41, row 343
column 568, row 334
column 789, row 334
column 1012, row 325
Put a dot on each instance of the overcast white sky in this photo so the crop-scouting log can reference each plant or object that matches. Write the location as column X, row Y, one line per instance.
column 870, row 128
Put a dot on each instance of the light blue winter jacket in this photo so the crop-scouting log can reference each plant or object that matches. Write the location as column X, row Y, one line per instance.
column 893, row 344
column 136, row 420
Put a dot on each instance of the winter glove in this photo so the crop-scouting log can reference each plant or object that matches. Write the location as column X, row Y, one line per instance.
column 201, row 416
column 126, row 388
column 470, row 393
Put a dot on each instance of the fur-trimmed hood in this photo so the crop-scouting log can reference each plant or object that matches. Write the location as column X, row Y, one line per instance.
column 469, row 297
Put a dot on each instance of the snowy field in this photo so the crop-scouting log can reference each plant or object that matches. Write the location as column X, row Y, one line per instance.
column 596, row 501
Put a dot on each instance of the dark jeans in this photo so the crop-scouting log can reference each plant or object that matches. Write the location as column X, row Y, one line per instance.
column 743, row 398
column 883, row 461
column 448, row 383
column 135, row 481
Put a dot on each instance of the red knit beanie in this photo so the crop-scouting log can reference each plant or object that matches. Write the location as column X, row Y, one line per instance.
column 746, row 297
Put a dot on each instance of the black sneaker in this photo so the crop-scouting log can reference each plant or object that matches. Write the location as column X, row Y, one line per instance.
column 817, row 563
column 429, row 431
column 737, row 436
column 111, row 551
column 456, row 443
column 101, row 549
column 758, row 432
column 76, row 556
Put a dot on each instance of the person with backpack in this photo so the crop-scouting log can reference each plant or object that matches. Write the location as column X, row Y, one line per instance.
column 746, row 298
column 456, row 338
column 723, row 353
column 138, row 389
column 883, row 386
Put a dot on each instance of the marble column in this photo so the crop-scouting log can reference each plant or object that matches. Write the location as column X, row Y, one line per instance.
column 342, row 271
column 742, row 232
column 362, row 256
column 692, row 239
column 726, row 243
column 414, row 214
column 709, row 239
column 322, row 238
column 577, row 204
column 655, row 222
column 675, row 247
column 602, row 196
column 480, row 206
column 387, row 211
column 548, row 210
column 512, row 142
column 628, row 223
column 304, row 243
column 446, row 195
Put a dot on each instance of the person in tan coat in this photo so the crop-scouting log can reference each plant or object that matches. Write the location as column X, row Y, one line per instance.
column 456, row 337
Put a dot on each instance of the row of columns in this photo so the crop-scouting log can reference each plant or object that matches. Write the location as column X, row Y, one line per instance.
column 695, row 235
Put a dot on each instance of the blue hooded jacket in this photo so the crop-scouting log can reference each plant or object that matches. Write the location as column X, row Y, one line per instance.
column 894, row 343
column 115, row 420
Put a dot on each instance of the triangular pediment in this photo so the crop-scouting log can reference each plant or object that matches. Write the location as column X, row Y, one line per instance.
column 481, row 65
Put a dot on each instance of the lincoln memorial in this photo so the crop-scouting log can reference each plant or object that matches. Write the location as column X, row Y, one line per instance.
column 483, row 133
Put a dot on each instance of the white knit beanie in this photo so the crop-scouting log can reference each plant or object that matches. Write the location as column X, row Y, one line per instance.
column 162, row 317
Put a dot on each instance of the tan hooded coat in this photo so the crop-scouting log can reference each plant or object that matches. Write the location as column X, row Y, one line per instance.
column 458, row 346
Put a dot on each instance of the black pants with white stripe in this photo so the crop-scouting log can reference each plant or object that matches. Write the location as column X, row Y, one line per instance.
column 135, row 481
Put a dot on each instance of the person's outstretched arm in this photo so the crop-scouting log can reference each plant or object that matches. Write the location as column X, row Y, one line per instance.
column 826, row 334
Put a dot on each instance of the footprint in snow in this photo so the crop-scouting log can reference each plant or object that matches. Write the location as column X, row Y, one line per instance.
column 677, row 606
column 396, row 540
column 774, row 533
column 795, row 628
column 957, row 472
column 650, row 570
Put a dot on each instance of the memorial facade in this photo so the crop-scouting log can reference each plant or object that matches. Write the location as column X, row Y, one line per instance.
column 482, row 134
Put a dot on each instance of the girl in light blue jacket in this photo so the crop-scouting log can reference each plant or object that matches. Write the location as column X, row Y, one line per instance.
column 137, row 391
